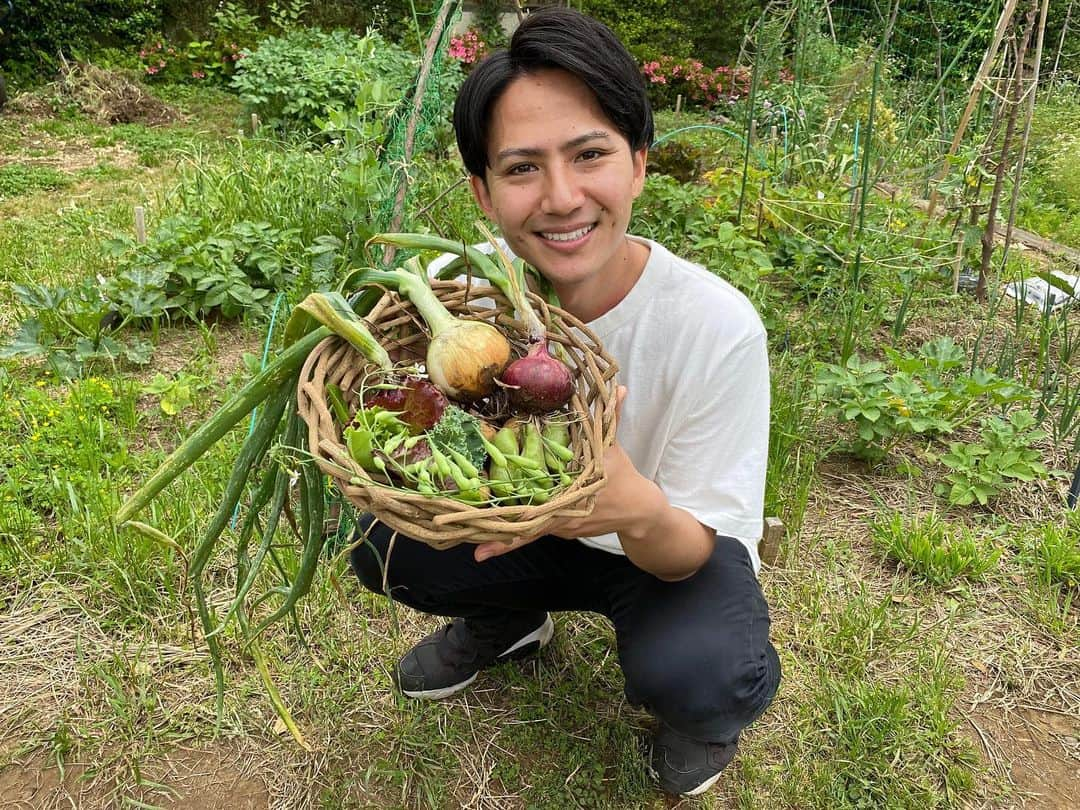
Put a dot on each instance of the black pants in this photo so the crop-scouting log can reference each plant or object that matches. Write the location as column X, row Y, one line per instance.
column 695, row 653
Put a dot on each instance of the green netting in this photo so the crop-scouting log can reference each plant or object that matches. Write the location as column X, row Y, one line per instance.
column 435, row 94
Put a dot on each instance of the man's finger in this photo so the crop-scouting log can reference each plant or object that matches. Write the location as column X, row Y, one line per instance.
column 620, row 396
column 485, row 551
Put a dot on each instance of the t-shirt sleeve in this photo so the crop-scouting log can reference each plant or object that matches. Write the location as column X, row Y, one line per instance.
column 714, row 464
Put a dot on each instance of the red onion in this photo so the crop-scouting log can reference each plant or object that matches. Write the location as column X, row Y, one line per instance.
column 538, row 382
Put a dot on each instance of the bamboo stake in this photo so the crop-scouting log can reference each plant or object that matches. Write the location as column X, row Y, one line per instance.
column 1006, row 144
column 1061, row 42
column 140, row 224
column 980, row 78
column 1029, row 115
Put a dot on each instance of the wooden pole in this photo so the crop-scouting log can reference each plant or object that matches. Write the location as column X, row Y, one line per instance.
column 254, row 123
column 678, row 104
column 1028, row 116
column 1006, row 144
column 769, row 545
column 973, row 97
column 140, row 224
column 1061, row 42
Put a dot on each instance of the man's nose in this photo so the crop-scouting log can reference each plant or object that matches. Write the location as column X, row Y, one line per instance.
column 562, row 192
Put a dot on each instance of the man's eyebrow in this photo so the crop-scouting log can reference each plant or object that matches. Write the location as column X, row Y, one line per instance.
column 573, row 143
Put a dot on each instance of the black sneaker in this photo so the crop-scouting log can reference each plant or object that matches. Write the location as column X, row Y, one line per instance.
column 685, row 766
column 448, row 660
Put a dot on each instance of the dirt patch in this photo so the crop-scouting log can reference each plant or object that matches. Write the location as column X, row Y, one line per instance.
column 68, row 155
column 1037, row 751
column 215, row 778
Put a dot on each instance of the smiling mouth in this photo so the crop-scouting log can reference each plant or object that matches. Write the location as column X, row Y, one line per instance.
column 568, row 236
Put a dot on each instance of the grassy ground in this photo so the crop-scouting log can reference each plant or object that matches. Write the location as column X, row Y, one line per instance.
column 897, row 692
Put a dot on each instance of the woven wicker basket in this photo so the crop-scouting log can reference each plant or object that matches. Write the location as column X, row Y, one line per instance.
column 445, row 522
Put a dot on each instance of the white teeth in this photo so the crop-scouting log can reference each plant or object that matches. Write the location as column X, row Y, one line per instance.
column 567, row 237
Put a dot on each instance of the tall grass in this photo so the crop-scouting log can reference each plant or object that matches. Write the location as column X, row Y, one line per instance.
column 792, row 451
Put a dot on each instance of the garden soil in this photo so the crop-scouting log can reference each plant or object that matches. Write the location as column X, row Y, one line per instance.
column 194, row 779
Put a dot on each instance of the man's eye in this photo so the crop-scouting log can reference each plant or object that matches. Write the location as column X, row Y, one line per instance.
column 591, row 154
column 520, row 168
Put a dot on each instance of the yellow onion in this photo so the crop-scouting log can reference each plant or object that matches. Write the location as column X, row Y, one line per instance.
column 465, row 357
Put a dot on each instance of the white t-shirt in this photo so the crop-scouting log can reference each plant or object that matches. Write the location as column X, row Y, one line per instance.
column 691, row 352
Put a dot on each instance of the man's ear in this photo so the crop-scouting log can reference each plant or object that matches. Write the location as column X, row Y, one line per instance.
column 480, row 192
column 640, row 158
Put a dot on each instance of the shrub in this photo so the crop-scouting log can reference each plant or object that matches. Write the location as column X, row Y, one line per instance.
column 468, row 47
column 670, row 77
column 199, row 60
column 295, row 79
column 40, row 31
column 708, row 29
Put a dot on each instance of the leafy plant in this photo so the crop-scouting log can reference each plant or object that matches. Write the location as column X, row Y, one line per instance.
column 1003, row 457
column 731, row 254
column 175, row 394
column 920, row 394
column 200, row 269
column 883, row 408
column 932, row 549
column 71, row 442
column 17, row 179
column 71, row 328
column 292, row 80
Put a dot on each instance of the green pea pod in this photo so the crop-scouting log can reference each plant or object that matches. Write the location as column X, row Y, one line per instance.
column 497, row 456
column 359, row 441
column 556, row 437
column 533, row 445
column 506, row 440
column 499, row 481
column 463, row 463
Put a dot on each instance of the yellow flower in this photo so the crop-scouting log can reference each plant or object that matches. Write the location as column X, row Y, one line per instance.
column 900, row 406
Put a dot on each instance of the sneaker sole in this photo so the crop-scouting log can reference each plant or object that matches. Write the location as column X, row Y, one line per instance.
column 708, row 783
column 526, row 645
column 533, row 642
column 439, row 694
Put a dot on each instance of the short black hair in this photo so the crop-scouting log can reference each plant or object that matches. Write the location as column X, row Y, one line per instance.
column 555, row 37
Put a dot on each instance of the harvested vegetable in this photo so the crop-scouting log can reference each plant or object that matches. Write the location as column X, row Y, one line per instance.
column 464, row 356
column 538, row 381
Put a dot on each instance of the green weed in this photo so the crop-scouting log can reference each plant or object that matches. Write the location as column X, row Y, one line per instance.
column 17, row 179
column 1054, row 554
column 933, row 549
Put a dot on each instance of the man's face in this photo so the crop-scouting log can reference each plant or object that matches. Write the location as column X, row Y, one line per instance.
column 561, row 182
